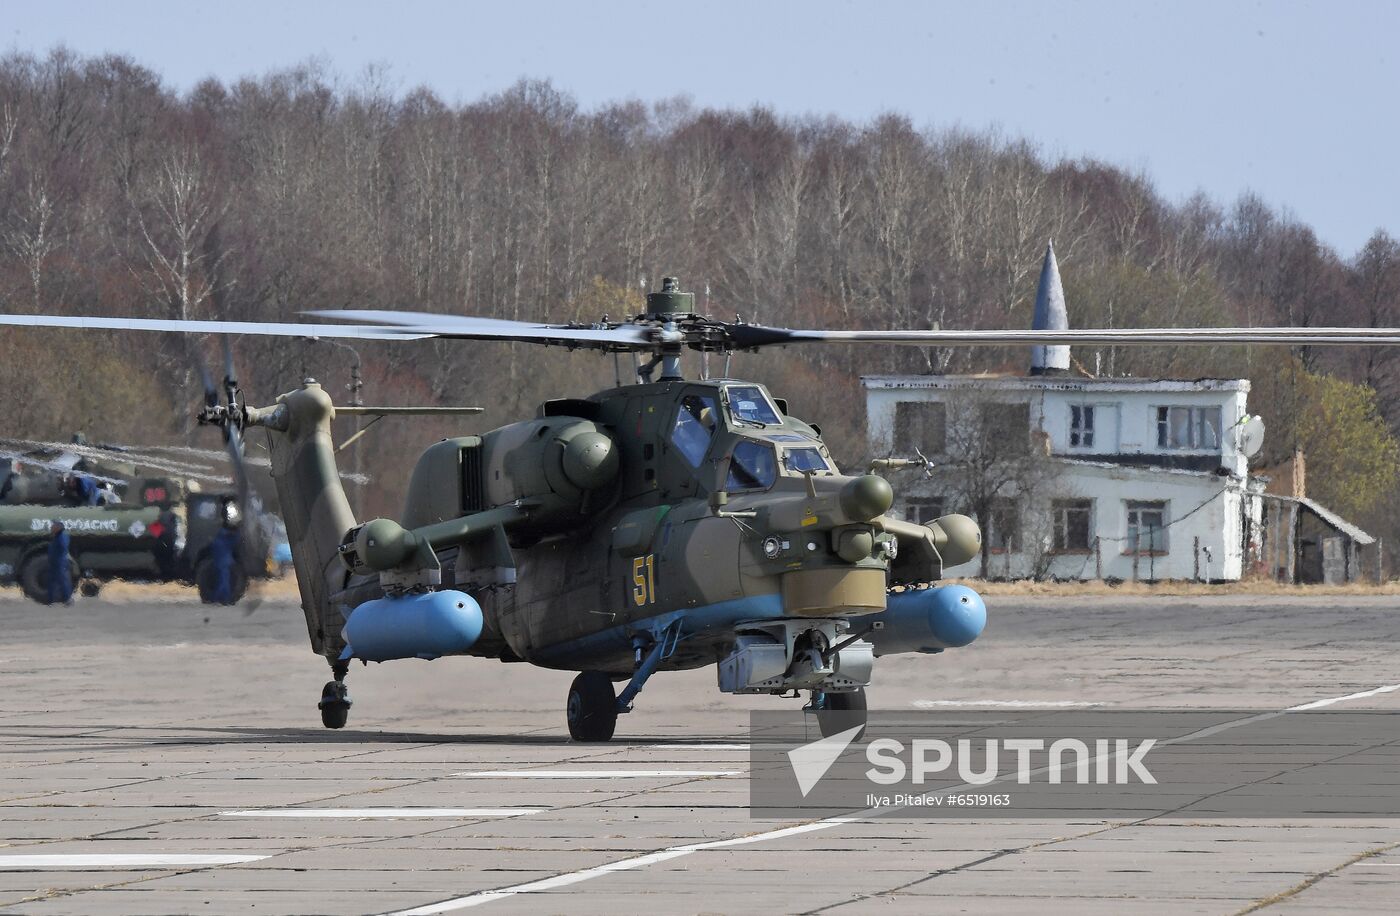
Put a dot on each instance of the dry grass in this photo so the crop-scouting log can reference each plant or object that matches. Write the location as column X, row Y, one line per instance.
column 274, row 589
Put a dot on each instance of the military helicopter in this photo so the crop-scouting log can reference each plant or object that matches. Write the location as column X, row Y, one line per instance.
column 669, row 524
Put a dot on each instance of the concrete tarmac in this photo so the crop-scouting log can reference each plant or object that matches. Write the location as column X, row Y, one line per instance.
column 158, row 756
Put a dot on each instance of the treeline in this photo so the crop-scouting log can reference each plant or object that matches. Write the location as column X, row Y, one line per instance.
column 297, row 191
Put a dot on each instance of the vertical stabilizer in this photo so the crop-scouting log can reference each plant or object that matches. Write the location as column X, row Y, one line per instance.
column 1050, row 315
column 313, row 505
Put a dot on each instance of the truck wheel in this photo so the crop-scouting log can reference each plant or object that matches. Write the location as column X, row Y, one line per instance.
column 34, row 577
column 205, row 578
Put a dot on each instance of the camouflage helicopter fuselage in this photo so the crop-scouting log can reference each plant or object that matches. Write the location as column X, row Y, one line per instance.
column 690, row 522
column 657, row 551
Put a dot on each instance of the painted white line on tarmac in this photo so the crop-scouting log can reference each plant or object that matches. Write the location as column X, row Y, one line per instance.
column 134, row 860
column 651, row 858
column 1005, row 704
column 675, row 852
column 359, row 813
column 1318, row 704
column 594, row 774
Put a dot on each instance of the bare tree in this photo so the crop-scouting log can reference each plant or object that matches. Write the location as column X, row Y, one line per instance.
column 178, row 216
column 1375, row 294
column 31, row 235
column 996, row 468
column 296, row 190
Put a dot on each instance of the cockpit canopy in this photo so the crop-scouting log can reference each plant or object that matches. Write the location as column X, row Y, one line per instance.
column 696, row 421
column 763, row 444
column 752, row 466
column 750, row 404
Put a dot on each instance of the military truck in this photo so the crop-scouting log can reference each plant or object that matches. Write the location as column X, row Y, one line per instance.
column 159, row 530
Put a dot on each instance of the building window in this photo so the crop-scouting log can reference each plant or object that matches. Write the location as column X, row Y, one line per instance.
column 1147, row 528
column 1196, row 428
column 921, row 425
column 921, row 510
column 1073, row 521
column 1006, row 427
column 1081, row 426
column 1003, row 526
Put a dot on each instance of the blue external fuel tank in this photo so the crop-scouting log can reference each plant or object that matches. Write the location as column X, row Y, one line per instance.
column 929, row 619
column 425, row 625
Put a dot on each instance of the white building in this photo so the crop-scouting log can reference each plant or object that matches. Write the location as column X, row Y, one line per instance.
column 1112, row 478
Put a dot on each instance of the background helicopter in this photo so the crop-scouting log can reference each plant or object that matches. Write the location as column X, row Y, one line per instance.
column 153, row 516
column 661, row 525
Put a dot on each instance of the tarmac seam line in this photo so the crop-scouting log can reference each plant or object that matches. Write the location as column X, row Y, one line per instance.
column 1314, row 879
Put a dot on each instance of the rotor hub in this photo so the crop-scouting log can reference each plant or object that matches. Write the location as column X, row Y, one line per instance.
column 670, row 302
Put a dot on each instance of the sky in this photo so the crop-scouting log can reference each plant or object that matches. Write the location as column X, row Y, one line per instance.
column 1295, row 101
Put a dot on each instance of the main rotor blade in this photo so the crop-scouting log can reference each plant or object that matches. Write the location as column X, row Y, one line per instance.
column 144, row 454
column 260, row 328
column 103, row 451
column 388, row 325
column 753, row 336
column 428, row 324
column 69, row 454
column 58, row 467
column 205, row 454
column 128, row 455
column 406, row 411
column 23, row 451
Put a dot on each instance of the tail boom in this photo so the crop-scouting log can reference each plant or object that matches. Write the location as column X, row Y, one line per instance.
column 314, row 505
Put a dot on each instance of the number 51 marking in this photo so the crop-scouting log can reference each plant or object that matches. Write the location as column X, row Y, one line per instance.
column 644, row 575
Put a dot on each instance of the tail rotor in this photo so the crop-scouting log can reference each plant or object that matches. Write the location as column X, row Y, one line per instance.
column 231, row 416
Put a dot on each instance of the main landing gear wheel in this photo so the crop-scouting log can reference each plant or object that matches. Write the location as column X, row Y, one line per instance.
column 335, row 704
column 838, row 712
column 592, row 708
